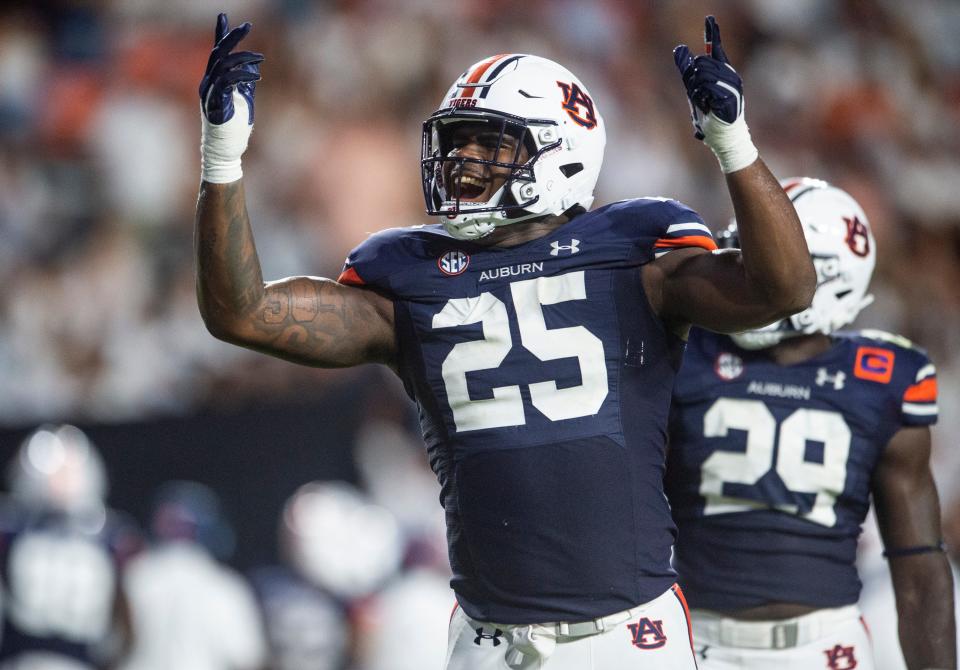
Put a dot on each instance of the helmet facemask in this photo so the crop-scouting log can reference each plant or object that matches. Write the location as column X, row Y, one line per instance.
column 453, row 181
column 546, row 112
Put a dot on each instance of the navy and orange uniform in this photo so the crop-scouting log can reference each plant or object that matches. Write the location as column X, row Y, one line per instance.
column 543, row 381
column 769, row 466
column 60, row 579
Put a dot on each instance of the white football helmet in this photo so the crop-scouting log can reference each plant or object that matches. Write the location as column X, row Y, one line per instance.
column 547, row 111
column 57, row 467
column 844, row 254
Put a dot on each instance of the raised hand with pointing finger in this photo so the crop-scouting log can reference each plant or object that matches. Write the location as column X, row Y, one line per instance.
column 715, row 94
column 226, row 102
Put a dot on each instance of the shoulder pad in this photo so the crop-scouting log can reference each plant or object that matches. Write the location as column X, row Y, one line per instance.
column 884, row 336
column 668, row 223
column 911, row 374
column 386, row 252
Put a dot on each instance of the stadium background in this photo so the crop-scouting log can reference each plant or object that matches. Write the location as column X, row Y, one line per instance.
column 99, row 166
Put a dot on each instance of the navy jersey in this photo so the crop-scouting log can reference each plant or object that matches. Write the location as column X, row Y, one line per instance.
column 769, row 466
column 60, row 580
column 543, row 381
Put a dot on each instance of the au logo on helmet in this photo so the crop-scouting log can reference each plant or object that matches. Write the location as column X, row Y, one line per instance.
column 578, row 105
column 858, row 237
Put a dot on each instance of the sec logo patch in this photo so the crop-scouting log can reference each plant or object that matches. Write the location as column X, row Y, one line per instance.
column 728, row 366
column 453, row 263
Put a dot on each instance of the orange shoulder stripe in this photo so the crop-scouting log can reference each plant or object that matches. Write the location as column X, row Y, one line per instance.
column 350, row 277
column 687, row 241
column 925, row 391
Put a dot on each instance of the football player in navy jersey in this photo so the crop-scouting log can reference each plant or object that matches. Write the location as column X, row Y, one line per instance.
column 539, row 339
column 778, row 439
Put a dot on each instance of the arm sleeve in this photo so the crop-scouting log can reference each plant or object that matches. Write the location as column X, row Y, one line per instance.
column 919, row 406
column 684, row 229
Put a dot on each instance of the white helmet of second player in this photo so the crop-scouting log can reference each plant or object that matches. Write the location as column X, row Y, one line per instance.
column 552, row 116
column 844, row 254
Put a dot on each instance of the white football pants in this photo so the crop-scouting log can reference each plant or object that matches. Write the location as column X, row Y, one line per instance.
column 652, row 636
column 828, row 639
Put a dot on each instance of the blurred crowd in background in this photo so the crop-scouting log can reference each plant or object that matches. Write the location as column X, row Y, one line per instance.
column 99, row 168
column 360, row 581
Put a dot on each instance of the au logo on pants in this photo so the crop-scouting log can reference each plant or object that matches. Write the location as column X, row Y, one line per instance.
column 647, row 633
column 841, row 658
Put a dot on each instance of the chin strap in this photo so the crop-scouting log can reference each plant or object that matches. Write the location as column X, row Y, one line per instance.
column 478, row 228
column 939, row 547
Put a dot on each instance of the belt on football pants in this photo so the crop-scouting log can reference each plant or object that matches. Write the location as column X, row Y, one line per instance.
column 599, row 625
column 713, row 629
column 590, row 626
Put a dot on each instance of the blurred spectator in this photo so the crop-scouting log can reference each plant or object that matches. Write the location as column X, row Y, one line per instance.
column 403, row 626
column 187, row 609
column 62, row 551
column 338, row 548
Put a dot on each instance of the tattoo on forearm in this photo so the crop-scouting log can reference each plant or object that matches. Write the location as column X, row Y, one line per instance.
column 228, row 267
column 241, row 253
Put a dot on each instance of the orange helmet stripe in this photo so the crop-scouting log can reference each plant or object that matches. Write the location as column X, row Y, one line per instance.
column 477, row 73
column 792, row 184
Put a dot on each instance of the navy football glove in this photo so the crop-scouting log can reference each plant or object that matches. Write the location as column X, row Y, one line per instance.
column 715, row 95
column 226, row 103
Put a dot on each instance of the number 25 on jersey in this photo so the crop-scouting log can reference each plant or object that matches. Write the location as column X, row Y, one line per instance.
column 505, row 408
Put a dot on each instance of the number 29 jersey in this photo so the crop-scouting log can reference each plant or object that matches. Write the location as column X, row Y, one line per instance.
column 543, row 381
column 769, row 466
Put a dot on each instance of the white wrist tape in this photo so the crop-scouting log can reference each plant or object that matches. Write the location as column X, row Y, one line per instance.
column 221, row 146
column 730, row 142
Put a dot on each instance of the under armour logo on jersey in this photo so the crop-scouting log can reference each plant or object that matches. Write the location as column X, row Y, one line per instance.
column 648, row 634
column 578, row 105
column 495, row 636
column 841, row 658
column 837, row 379
column 556, row 247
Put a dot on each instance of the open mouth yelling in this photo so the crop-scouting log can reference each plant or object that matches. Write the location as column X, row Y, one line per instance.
column 469, row 187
